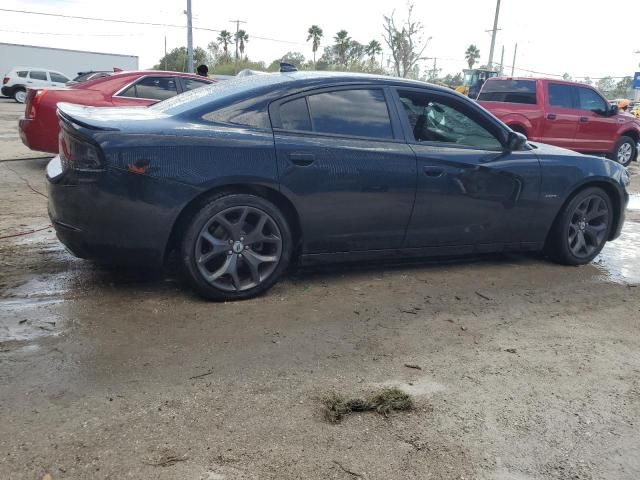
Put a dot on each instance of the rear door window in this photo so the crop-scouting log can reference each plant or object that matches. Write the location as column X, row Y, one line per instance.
column 294, row 115
column 356, row 113
column 509, row 91
column 561, row 95
column 590, row 100
column 154, row 88
column 36, row 75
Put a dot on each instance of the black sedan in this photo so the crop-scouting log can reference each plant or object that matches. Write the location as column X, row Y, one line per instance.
column 245, row 176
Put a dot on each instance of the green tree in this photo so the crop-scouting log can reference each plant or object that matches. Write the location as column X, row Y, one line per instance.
column 241, row 39
column 606, row 85
column 225, row 38
column 294, row 58
column 176, row 59
column 566, row 77
column 372, row 49
column 471, row 55
column 342, row 42
column 315, row 34
column 623, row 88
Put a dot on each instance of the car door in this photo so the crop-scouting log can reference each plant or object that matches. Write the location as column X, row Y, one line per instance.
column 344, row 164
column 560, row 124
column 147, row 90
column 597, row 129
column 471, row 192
column 37, row 79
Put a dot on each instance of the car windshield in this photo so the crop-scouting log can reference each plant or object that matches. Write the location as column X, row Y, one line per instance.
column 222, row 92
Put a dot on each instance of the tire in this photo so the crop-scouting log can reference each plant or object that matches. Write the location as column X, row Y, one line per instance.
column 624, row 151
column 20, row 95
column 223, row 235
column 587, row 216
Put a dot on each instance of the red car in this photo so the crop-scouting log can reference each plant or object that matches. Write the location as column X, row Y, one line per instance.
column 566, row 114
column 39, row 128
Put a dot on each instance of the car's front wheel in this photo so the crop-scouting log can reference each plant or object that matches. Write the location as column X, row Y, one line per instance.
column 582, row 228
column 624, row 151
column 236, row 247
column 20, row 95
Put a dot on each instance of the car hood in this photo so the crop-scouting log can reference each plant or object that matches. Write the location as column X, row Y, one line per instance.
column 107, row 118
column 546, row 149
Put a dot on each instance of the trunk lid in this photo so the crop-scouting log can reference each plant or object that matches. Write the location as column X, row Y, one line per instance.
column 107, row 118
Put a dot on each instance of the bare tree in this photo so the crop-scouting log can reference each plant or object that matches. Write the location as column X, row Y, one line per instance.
column 405, row 41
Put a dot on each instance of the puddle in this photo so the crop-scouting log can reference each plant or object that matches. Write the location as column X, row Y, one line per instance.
column 620, row 260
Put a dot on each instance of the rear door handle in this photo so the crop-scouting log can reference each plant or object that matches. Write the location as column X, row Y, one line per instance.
column 301, row 158
column 584, row 119
column 551, row 116
column 433, row 172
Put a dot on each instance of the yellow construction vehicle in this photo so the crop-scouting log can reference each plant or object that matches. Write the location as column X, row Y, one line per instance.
column 473, row 80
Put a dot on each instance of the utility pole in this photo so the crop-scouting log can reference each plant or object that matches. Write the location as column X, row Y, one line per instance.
column 502, row 62
column 513, row 65
column 237, row 22
column 165, row 53
column 493, row 34
column 435, row 68
column 189, row 39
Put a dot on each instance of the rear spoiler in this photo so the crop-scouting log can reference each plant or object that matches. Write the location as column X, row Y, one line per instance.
column 81, row 115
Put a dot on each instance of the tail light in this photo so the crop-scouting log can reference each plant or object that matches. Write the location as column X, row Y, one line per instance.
column 5, row 80
column 77, row 154
column 34, row 97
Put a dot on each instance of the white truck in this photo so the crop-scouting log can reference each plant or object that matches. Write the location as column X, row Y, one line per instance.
column 68, row 62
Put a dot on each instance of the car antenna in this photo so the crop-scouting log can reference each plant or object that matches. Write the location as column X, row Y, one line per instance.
column 287, row 67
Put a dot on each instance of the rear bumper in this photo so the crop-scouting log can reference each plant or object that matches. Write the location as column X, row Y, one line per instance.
column 97, row 216
column 114, row 216
column 38, row 137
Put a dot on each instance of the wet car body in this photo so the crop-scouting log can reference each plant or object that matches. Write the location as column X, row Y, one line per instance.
column 347, row 198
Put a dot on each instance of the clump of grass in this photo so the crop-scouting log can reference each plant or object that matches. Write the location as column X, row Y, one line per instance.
column 336, row 407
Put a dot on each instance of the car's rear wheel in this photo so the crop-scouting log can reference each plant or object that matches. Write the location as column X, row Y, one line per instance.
column 582, row 228
column 20, row 95
column 624, row 151
column 236, row 247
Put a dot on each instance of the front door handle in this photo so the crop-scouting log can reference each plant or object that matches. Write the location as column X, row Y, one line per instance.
column 433, row 172
column 302, row 159
column 551, row 116
column 584, row 119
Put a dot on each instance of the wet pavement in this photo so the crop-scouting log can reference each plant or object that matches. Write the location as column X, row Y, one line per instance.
column 528, row 369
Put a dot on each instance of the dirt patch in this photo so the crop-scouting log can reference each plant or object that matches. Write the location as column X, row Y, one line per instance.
column 337, row 406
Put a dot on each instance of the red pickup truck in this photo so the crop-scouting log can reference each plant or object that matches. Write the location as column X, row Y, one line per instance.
column 566, row 114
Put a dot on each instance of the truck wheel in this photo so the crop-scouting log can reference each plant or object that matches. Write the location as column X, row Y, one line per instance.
column 236, row 247
column 581, row 228
column 624, row 151
column 20, row 95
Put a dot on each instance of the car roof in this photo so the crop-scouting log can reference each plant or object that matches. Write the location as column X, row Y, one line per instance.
column 542, row 79
column 36, row 68
column 255, row 86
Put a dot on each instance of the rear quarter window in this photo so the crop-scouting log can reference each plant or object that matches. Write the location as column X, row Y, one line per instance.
column 22, row 73
column 509, row 91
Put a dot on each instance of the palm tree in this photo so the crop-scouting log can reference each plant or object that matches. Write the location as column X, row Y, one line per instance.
column 343, row 40
column 372, row 49
column 241, row 39
column 471, row 55
column 315, row 33
column 225, row 39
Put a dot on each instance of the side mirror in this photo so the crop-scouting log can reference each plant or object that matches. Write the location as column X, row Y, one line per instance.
column 516, row 141
column 613, row 110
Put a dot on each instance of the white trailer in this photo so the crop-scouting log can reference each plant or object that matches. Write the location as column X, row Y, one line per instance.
column 69, row 62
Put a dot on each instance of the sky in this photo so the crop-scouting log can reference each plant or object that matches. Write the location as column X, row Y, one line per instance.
column 554, row 36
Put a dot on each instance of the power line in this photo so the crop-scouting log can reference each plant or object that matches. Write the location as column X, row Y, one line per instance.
column 132, row 22
column 75, row 34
